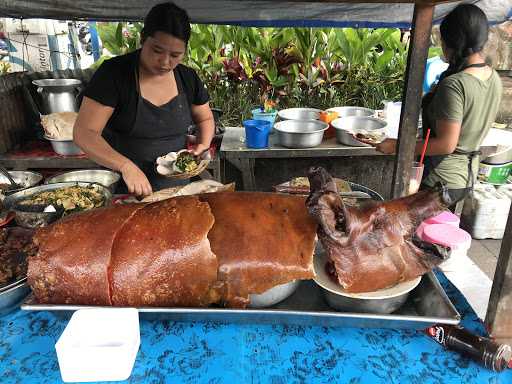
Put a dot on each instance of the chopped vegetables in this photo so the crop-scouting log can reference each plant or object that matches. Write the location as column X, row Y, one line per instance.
column 70, row 199
column 186, row 162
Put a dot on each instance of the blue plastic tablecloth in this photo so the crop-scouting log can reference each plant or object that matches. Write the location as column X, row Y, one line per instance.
column 203, row 352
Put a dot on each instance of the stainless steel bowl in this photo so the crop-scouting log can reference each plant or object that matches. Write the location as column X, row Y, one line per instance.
column 108, row 179
column 299, row 114
column 300, row 133
column 379, row 302
column 65, row 147
column 40, row 219
column 346, row 127
column 12, row 297
column 352, row 111
column 26, row 179
column 499, row 158
column 273, row 295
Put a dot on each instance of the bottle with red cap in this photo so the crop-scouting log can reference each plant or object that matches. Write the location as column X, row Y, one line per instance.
column 483, row 350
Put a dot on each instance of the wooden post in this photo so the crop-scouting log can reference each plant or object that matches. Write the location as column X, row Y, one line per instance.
column 411, row 99
column 499, row 311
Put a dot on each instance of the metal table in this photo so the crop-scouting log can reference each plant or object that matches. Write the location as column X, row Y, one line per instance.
column 234, row 151
column 194, row 352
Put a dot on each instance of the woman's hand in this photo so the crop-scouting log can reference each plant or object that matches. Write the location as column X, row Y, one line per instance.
column 388, row 146
column 199, row 149
column 135, row 179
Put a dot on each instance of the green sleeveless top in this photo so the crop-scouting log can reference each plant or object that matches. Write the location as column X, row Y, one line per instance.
column 474, row 103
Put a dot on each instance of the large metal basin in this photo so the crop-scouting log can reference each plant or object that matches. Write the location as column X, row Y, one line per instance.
column 346, row 127
column 108, row 179
column 300, row 133
column 26, row 179
column 27, row 219
column 383, row 301
column 273, row 295
column 299, row 114
column 352, row 111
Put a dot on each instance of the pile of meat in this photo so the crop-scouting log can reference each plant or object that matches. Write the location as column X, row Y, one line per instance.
column 185, row 251
column 15, row 247
column 374, row 246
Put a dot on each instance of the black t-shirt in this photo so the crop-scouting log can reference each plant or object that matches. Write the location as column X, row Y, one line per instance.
column 114, row 84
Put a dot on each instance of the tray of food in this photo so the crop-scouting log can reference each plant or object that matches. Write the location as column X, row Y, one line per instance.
column 15, row 248
column 346, row 189
column 249, row 257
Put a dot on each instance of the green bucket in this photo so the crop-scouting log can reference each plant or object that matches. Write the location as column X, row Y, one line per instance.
column 494, row 174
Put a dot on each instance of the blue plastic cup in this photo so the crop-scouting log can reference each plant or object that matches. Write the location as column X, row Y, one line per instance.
column 256, row 133
column 258, row 114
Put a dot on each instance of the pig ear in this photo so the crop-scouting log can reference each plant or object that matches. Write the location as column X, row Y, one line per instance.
column 324, row 203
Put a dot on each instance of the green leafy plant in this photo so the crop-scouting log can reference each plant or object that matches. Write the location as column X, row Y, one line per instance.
column 314, row 67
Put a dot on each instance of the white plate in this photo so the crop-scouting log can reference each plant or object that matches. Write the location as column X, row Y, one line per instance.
column 324, row 280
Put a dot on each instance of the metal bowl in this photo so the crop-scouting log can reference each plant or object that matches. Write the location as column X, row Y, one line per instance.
column 40, row 219
column 346, row 127
column 11, row 298
column 65, row 147
column 383, row 301
column 352, row 111
column 26, row 179
column 299, row 114
column 273, row 295
column 105, row 177
column 300, row 133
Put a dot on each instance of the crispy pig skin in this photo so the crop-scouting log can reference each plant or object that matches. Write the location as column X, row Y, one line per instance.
column 372, row 246
column 261, row 240
column 71, row 266
column 184, row 251
column 162, row 256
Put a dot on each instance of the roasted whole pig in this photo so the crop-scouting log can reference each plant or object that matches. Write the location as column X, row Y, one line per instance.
column 373, row 246
column 213, row 248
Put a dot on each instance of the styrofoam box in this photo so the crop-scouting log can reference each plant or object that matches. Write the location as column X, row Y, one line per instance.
column 487, row 216
column 99, row 345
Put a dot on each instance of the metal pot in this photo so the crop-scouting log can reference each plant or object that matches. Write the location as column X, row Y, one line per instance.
column 299, row 114
column 379, row 302
column 273, row 295
column 300, row 133
column 108, row 179
column 26, row 179
column 27, row 219
column 58, row 95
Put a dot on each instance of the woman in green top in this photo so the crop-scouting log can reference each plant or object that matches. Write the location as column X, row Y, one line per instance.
column 461, row 109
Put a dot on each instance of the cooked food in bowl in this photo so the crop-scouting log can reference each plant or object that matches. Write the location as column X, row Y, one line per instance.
column 69, row 199
column 371, row 137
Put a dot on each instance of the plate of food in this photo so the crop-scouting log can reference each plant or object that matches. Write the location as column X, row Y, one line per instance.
column 182, row 164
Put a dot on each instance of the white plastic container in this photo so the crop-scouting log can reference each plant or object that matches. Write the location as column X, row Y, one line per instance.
column 486, row 217
column 99, row 345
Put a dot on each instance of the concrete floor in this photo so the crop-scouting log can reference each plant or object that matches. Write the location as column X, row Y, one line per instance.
column 485, row 254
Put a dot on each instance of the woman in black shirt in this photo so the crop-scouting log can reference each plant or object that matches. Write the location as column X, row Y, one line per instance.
column 139, row 106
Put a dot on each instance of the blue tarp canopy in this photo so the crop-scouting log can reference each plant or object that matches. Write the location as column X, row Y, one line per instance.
column 250, row 13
